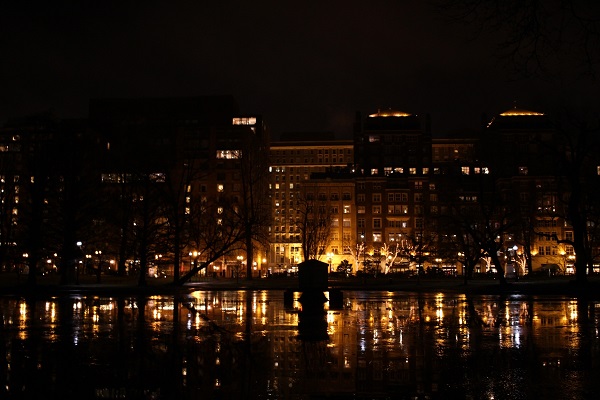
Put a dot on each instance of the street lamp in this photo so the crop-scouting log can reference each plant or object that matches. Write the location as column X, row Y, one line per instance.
column 329, row 257
column 239, row 267
column 364, row 248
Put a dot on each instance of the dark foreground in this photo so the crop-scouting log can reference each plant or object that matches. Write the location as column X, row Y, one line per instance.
column 10, row 284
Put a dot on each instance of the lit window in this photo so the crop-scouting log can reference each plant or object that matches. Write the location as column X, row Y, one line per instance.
column 157, row 177
column 229, row 154
column 244, row 121
column 220, row 187
column 464, row 170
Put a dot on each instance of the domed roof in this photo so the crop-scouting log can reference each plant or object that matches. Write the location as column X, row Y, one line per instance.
column 515, row 112
column 389, row 113
column 519, row 118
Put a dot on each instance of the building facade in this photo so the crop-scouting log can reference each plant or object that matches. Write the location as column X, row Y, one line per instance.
column 299, row 163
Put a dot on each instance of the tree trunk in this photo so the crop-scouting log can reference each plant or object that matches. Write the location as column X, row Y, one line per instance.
column 499, row 268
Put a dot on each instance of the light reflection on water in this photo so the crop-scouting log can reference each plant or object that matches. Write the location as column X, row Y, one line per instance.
column 237, row 344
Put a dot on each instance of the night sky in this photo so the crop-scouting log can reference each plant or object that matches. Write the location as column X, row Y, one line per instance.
column 305, row 66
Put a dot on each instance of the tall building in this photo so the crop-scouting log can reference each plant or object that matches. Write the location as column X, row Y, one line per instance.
column 203, row 161
column 299, row 161
column 394, row 191
column 519, row 145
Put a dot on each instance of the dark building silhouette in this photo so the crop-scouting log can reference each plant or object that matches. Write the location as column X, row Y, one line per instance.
column 139, row 183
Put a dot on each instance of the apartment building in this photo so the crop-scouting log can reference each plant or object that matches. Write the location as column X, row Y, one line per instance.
column 301, row 163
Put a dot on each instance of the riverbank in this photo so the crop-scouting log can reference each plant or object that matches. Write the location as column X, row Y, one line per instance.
column 11, row 284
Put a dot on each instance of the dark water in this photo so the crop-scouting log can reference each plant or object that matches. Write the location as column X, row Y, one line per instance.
column 255, row 345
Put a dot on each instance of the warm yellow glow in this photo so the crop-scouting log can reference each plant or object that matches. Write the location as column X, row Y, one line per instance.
column 519, row 112
column 389, row 113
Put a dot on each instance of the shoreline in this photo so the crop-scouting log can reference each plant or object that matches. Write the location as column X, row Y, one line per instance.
column 110, row 285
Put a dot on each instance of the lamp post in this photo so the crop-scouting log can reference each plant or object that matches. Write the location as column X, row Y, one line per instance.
column 80, row 245
column 239, row 267
column 515, row 263
column 329, row 258
column 364, row 249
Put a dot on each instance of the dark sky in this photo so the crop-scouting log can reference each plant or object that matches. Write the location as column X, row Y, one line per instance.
column 304, row 65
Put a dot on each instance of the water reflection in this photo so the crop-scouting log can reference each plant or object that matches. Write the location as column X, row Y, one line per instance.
column 255, row 345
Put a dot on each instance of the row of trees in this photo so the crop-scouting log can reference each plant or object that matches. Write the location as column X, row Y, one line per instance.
column 60, row 202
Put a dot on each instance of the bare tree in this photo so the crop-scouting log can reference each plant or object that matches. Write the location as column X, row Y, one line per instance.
column 315, row 221
column 215, row 230
column 254, row 202
column 577, row 184
column 536, row 38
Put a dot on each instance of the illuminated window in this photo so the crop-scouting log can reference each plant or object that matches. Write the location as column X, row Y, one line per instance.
column 229, row 154
column 464, row 170
column 244, row 121
column 374, row 171
column 377, row 237
column 220, row 188
column 569, row 250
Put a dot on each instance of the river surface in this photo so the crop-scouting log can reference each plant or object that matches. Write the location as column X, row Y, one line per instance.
column 269, row 345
